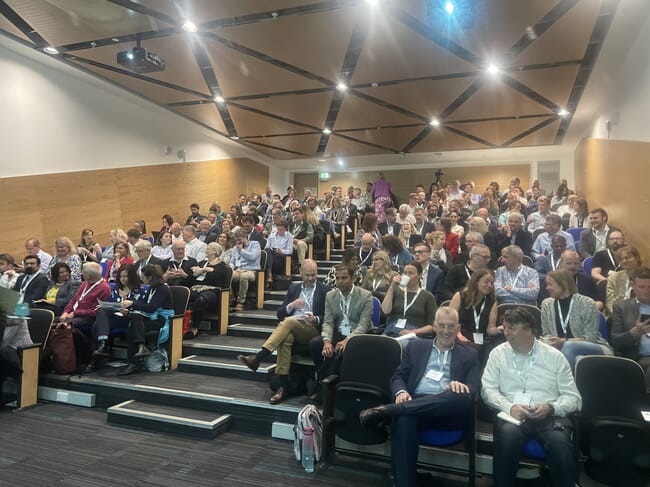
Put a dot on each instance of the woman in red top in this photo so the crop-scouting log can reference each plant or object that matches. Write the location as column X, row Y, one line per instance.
column 121, row 256
column 452, row 241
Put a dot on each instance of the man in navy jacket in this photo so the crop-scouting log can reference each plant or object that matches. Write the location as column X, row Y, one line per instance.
column 434, row 386
column 301, row 316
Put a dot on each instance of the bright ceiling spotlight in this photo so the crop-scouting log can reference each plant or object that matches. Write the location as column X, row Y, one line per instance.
column 449, row 7
column 434, row 122
column 190, row 26
column 372, row 3
column 219, row 99
column 340, row 162
column 493, row 69
column 234, row 137
column 51, row 50
column 327, row 131
column 342, row 87
column 563, row 113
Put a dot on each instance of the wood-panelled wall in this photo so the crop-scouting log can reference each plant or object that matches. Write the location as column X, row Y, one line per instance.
column 614, row 175
column 403, row 181
column 52, row 205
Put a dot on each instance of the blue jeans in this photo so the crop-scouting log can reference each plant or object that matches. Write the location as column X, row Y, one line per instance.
column 571, row 350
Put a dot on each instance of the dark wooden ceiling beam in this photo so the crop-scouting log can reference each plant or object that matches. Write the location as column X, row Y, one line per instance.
column 598, row 35
column 210, row 77
column 531, row 130
column 529, row 93
column 365, row 142
column 462, row 133
column 22, row 25
column 274, row 117
column 268, row 146
column 350, row 59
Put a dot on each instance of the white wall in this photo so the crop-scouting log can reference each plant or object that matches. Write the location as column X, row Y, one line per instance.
column 57, row 119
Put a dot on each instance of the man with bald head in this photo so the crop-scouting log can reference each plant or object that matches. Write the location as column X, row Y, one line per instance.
column 33, row 247
column 365, row 250
column 301, row 316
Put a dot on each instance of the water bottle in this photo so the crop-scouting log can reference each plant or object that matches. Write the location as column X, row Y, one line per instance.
column 308, row 449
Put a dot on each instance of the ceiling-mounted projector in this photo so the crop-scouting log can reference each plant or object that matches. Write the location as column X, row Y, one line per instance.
column 140, row 60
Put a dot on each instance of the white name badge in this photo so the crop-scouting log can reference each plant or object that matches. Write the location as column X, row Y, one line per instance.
column 345, row 330
column 478, row 338
column 522, row 398
column 401, row 323
column 434, row 375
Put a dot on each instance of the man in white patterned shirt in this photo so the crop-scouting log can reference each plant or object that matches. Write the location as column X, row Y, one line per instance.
column 515, row 282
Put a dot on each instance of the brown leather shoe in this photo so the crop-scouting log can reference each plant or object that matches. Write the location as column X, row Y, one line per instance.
column 279, row 396
column 249, row 361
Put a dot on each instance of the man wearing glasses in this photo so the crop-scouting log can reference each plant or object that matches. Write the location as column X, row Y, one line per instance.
column 433, row 279
column 458, row 275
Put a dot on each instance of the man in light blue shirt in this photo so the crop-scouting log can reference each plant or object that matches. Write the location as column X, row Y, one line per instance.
column 245, row 261
column 515, row 282
column 278, row 246
column 542, row 244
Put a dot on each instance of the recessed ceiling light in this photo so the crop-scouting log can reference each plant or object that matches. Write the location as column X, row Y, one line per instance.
column 563, row 113
column 51, row 50
column 434, row 122
column 342, row 86
column 234, row 137
column 372, row 3
column 190, row 26
column 493, row 69
column 449, row 7
column 340, row 162
column 219, row 99
column 327, row 131
column 321, row 160
column 115, row 39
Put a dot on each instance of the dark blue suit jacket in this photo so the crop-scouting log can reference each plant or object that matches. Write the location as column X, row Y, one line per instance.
column 318, row 306
column 465, row 366
column 435, row 283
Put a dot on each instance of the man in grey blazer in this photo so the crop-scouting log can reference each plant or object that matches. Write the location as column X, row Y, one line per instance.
column 348, row 312
column 630, row 319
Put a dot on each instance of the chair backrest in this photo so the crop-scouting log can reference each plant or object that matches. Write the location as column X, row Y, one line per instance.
column 503, row 309
column 527, row 261
column 603, row 327
column 376, row 311
column 180, row 298
column 229, row 274
column 610, row 386
column 40, row 325
column 587, row 264
column 371, row 360
column 575, row 233
column 537, row 233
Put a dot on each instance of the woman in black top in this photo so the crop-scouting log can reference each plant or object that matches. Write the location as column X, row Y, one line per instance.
column 209, row 275
column 157, row 297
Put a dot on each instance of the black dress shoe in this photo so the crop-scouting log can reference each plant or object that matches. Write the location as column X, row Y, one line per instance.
column 372, row 417
column 279, row 396
column 142, row 352
column 249, row 361
column 102, row 351
column 128, row 370
column 91, row 367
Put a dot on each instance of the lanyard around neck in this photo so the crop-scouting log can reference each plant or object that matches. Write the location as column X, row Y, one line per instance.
column 564, row 321
column 407, row 306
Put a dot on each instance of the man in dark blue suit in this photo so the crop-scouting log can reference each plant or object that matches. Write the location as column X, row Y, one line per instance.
column 301, row 316
column 434, row 386
column 433, row 279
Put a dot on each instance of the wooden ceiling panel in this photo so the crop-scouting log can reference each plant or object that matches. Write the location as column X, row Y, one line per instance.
column 181, row 68
column 553, row 83
column 567, row 39
column 205, row 10
column 395, row 138
column 240, row 74
column 393, row 51
column 275, row 154
column 498, row 131
column 427, row 98
column 205, row 113
column 69, row 21
column 443, row 140
column 324, row 37
column 159, row 94
column 545, row 136
column 496, row 99
column 8, row 27
column 358, row 113
column 310, row 109
column 305, row 144
column 340, row 147
column 249, row 124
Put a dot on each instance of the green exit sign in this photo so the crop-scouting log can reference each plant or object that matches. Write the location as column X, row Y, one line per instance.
column 324, row 176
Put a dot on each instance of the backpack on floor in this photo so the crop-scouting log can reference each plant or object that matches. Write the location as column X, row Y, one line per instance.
column 156, row 361
column 309, row 416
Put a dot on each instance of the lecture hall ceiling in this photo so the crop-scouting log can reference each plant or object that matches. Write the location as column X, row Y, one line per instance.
column 276, row 66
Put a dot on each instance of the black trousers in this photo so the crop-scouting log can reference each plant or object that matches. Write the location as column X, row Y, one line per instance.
column 561, row 459
column 275, row 262
column 105, row 321
column 325, row 366
column 199, row 302
column 138, row 328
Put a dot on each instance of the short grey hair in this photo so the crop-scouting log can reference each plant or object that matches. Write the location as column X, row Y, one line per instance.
column 476, row 236
column 216, row 247
column 477, row 250
column 447, row 311
column 92, row 269
column 143, row 244
column 517, row 215
column 190, row 228
column 515, row 251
